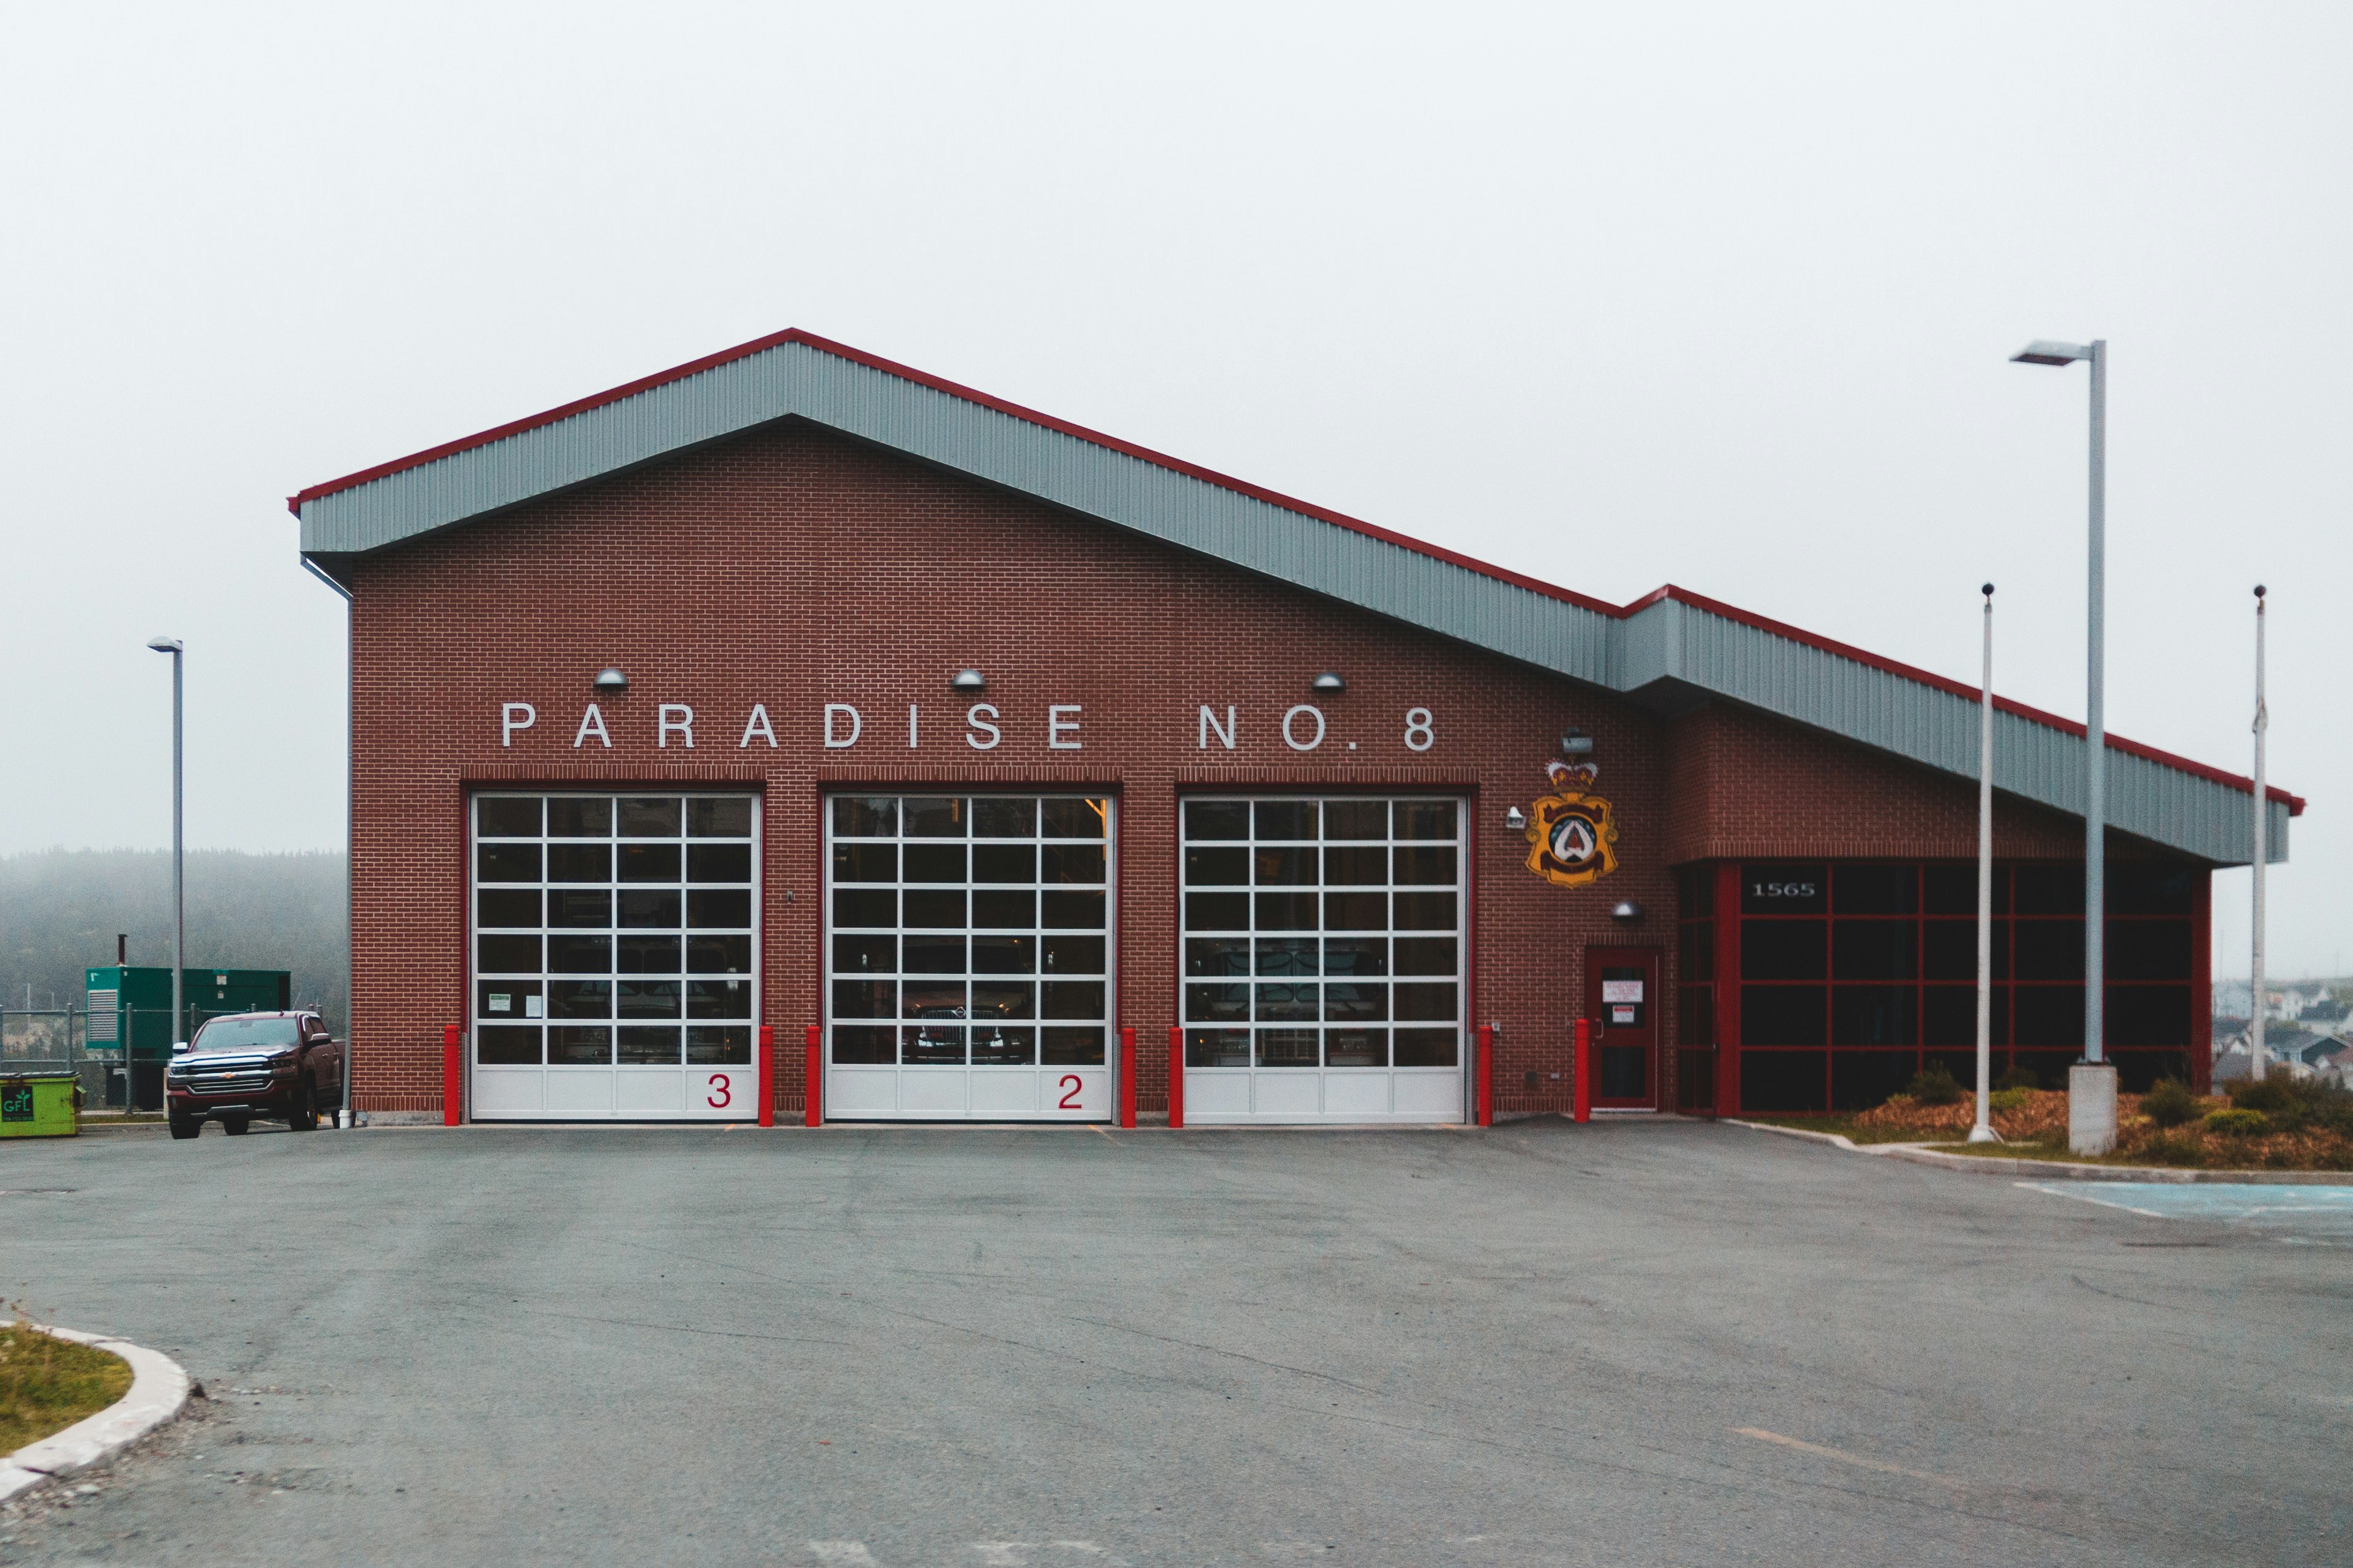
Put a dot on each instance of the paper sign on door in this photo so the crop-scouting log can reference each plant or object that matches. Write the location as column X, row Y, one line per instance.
column 1622, row 991
column 1621, row 1015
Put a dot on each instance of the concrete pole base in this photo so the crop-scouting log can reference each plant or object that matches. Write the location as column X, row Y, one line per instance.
column 2092, row 1108
column 1984, row 1135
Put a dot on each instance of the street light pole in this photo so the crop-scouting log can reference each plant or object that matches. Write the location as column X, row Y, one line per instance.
column 2091, row 1096
column 1983, row 1131
column 179, row 899
column 2263, row 853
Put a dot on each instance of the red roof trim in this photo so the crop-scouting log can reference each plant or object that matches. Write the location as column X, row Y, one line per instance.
column 1223, row 481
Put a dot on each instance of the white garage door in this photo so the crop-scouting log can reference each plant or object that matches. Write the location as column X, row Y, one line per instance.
column 616, row 953
column 1322, row 960
column 968, row 955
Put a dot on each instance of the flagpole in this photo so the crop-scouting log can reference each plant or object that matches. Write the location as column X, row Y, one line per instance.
column 1983, row 1131
column 2263, row 853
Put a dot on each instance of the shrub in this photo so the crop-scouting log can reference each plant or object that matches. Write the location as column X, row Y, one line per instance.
column 2017, row 1076
column 2011, row 1099
column 2170, row 1103
column 2270, row 1094
column 2292, row 1104
column 2176, row 1149
column 2237, row 1122
column 1935, row 1085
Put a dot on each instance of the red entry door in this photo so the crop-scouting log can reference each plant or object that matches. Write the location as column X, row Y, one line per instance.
column 1622, row 997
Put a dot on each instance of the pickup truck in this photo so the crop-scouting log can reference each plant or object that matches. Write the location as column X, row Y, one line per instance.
column 282, row 1066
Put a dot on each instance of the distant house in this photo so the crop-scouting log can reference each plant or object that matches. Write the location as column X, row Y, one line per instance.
column 2287, row 1049
column 2328, row 1016
column 2227, row 1029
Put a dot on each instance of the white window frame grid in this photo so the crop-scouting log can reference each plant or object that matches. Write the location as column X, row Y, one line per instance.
column 1210, row 1094
column 572, row 1091
column 988, row 1090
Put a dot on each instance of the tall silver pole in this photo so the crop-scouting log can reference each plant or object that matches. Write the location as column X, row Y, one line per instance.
column 1983, row 1131
column 2096, row 783
column 179, row 863
column 2263, row 853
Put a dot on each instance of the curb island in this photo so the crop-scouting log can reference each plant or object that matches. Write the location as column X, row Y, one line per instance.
column 159, row 1389
column 2064, row 1169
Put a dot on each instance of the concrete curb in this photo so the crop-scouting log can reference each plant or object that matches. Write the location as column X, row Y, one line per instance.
column 2061, row 1170
column 159, row 1390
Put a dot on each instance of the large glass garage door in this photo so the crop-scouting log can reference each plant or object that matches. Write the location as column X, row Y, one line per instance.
column 616, row 956
column 968, row 949
column 1322, row 960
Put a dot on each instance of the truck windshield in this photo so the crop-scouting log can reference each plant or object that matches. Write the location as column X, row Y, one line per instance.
column 245, row 1034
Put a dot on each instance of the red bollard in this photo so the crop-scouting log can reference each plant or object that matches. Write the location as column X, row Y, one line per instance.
column 1486, row 1070
column 813, row 1094
column 453, row 1075
column 1583, row 1099
column 1127, row 1078
column 1176, row 1079
column 767, row 1074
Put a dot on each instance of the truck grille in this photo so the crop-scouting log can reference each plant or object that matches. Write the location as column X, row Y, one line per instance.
column 227, row 1082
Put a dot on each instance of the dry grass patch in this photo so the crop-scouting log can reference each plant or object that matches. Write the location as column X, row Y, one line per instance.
column 48, row 1383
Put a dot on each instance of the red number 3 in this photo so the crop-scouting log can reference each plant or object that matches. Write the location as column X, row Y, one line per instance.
column 721, row 1096
column 1070, row 1086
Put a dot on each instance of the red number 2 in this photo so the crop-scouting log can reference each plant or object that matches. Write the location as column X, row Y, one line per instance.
column 1070, row 1086
column 721, row 1096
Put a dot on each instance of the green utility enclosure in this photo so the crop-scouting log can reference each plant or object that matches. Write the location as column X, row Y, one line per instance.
column 130, row 1006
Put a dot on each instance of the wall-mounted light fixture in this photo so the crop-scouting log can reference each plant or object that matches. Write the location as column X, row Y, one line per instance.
column 1329, row 681
column 967, row 681
column 1576, row 743
column 1626, row 910
column 1515, row 819
column 610, row 679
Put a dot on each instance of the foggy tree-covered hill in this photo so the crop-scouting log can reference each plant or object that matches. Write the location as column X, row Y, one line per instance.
column 59, row 910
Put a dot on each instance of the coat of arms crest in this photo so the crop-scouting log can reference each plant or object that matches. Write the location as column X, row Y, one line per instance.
column 1571, row 839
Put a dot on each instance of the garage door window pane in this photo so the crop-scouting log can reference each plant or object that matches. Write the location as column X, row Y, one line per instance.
column 507, row 817
column 719, row 816
column 657, row 817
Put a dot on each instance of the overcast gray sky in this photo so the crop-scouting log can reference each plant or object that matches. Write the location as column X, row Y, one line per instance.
column 1718, row 294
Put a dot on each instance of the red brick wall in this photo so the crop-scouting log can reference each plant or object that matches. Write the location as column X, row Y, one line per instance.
column 1745, row 785
column 792, row 568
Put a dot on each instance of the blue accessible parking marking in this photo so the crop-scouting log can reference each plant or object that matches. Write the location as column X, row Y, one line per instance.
column 2305, row 1216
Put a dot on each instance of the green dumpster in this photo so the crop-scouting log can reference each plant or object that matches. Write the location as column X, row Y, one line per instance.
column 41, row 1105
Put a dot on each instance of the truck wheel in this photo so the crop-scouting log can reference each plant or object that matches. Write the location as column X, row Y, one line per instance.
column 304, row 1118
column 186, row 1127
column 233, row 1126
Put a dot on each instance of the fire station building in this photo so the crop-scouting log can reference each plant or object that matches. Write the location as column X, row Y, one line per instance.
column 795, row 689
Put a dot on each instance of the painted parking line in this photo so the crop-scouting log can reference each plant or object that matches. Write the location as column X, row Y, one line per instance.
column 2300, row 1215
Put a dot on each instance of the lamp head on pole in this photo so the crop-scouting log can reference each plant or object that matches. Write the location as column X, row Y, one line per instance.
column 1988, row 591
column 2259, row 590
column 165, row 645
column 2043, row 351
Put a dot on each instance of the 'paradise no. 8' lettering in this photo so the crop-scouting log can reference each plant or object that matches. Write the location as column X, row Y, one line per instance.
column 838, row 726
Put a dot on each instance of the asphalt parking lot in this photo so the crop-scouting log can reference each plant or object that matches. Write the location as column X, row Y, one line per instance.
column 1656, row 1344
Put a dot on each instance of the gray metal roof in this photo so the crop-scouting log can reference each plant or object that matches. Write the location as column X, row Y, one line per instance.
column 1668, row 650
